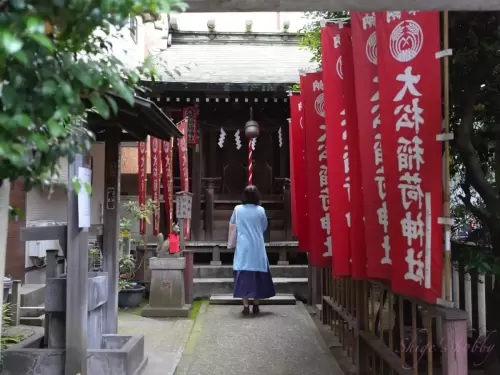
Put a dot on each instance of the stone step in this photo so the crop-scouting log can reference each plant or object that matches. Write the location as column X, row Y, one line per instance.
column 228, row 299
column 31, row 312
column 206, row 287
column 32, row 294
column 38, row 321
column 227, row 271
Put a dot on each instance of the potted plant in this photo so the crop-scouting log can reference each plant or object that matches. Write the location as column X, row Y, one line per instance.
column 130, row 292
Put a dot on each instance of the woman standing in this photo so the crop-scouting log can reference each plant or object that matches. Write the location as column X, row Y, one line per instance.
column 252, row 278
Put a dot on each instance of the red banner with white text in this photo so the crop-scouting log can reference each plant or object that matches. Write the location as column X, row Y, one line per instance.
column 337, row 146
column 293, row 196
column 182, row 144
column 166, row 173
column 364, row 45
column 316, row 173
column 297, row 160
column 142, row 150
column 357, row 230
column 300, row 172
column 410, row 107
column 155, row 182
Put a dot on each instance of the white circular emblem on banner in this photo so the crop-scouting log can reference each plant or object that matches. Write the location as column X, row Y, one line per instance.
column 371, row 48
column 339, row 68
column 406, row 41
column 319, row 105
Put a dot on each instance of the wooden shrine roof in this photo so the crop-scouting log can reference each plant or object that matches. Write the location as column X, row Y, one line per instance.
column 136, row 122
column 234, row 58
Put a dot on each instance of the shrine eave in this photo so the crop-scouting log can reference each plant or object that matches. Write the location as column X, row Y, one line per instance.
column 160, row 88
column 135, row 122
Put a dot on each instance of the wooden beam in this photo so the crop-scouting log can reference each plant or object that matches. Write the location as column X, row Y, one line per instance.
column 338, row 5
column 111, row 247
column 56, row 232
column 77, row 282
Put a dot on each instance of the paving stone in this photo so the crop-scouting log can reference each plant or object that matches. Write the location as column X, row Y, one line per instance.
column 282, row 340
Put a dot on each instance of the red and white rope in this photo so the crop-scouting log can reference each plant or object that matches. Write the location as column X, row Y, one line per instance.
column 250, row 166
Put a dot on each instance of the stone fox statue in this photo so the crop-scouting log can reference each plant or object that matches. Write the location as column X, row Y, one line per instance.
column 163, row 246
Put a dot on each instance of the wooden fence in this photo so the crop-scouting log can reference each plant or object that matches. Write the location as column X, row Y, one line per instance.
column 386, row 333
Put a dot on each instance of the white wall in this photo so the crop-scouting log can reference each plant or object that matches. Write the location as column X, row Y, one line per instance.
column 129, row 52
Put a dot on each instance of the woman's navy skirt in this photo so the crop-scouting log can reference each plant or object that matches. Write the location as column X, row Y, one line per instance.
column 253, row 284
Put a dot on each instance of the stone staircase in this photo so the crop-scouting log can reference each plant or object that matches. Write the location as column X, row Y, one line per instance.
column 212, row 281
column 32, row 310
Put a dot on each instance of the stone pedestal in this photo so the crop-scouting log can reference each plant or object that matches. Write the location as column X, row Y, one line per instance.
column 167, row 295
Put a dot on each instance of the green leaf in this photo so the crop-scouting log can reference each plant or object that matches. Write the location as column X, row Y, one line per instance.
column 11, row 43
column 42, row 40
column 112, row 104
column 76, row 185
column 23, row 120
column 88, row 188
column 100, row 105
column 35, row 25
column 56, row 128
column 49, row 87
column 21, row 57
column 124, row 91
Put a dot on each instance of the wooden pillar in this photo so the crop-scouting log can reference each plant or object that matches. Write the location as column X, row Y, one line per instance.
column 212, row 156
column 196, row 178
column 111, row 231
column 76, row 282
column 454, row 359
column 209, row 212
column 287, row 203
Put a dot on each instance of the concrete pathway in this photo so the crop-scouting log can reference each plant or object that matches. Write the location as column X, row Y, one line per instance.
column 283, row 340
column 165, row 340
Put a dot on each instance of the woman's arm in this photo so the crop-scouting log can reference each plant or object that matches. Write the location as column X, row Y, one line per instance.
column 263, row 219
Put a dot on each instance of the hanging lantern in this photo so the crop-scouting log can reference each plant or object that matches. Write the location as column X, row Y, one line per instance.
column 251, row 127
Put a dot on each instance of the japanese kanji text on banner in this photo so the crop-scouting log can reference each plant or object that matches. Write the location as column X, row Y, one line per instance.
column 316, row 174
column 410, row 107
column 155, row 185
column 183, row 165
column 142, row 177
column 166, row 180
column 364, row 44
column 297, row 170
column 339, row 178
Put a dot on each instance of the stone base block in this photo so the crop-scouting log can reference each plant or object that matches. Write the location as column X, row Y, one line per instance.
column 166, row 312
column 118, row 355
column 215, row 263
column 283, row 263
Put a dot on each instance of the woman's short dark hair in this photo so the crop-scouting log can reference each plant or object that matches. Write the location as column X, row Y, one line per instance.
column 251, row 195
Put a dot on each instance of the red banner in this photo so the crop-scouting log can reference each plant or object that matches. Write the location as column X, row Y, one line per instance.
column 364, row 44
column 316, row 174
column 293, row 196
column 155, row 182
column 183, row 165
column 338, row 161
column 299, row 219
column 410, row 108
column 166, row 179
column 142, row 177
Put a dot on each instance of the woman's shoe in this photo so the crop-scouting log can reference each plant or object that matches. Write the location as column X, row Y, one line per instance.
column 246, row 311
column 256, row 309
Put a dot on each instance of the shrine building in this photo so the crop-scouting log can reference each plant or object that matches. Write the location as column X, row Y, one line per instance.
column 223, row 77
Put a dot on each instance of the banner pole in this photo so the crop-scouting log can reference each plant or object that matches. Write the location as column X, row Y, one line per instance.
column 446, row 187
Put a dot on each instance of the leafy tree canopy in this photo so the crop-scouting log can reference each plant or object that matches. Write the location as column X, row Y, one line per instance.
column 56, row 62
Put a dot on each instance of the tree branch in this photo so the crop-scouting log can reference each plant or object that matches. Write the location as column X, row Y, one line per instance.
column 470, row 158
column 479, row 212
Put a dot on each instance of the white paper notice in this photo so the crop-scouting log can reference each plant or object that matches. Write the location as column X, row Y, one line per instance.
column 85, row 177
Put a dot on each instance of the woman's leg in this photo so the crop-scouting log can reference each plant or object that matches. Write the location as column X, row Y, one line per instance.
column 246, row 308
column 256, row 308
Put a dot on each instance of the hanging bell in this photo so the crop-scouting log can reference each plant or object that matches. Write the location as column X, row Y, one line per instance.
column 251, row 127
